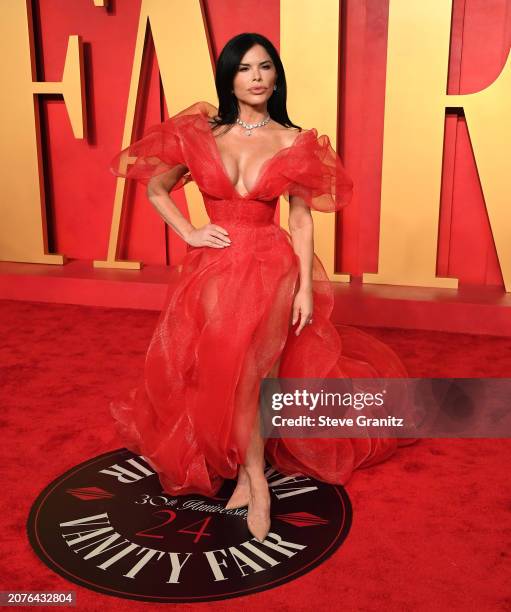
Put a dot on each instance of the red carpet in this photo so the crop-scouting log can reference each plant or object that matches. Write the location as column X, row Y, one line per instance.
column 431, row 526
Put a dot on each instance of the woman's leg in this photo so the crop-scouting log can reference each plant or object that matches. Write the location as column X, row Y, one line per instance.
column 258, row 518
column 239, row 497
column 253, row 468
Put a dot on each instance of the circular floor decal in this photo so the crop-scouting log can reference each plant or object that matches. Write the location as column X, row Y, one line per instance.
column 107, row 525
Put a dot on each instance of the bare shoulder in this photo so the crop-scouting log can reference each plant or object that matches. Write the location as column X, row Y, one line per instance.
column 289, row 134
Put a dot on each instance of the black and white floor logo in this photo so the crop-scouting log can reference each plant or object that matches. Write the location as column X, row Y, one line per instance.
column 107, row 525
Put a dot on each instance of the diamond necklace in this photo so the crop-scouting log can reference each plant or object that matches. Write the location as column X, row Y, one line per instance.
column 250, row 126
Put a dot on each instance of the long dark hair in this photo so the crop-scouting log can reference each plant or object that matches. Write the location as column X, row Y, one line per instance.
column 226, row 69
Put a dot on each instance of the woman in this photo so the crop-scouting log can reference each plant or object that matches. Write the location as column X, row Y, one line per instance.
column 252, row 301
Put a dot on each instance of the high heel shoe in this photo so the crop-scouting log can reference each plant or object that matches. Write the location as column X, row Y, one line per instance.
column 239, row 499
column 258, row 526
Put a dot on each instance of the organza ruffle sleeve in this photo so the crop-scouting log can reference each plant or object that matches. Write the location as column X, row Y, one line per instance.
column 316, row 174
column 160, row 149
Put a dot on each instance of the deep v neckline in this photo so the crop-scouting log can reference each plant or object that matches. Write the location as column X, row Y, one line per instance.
column 262, row 169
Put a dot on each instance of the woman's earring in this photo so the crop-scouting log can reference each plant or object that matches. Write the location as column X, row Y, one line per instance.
column 275, row 87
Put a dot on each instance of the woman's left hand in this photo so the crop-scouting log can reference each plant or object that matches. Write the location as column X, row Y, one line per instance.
column 302, row 308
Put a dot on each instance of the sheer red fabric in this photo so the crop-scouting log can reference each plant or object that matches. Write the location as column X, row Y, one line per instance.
column 227, row 321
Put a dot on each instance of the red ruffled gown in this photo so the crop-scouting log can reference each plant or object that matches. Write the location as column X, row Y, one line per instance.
column 228, row 319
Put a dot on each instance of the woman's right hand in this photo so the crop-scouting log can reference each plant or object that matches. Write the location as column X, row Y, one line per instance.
column 211, row 235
